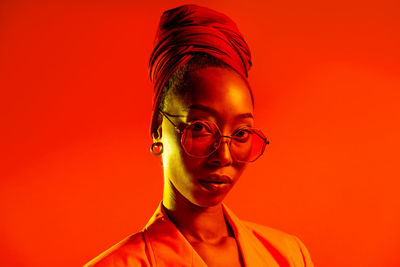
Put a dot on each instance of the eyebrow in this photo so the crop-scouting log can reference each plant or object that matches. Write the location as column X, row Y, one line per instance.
column 215, row 113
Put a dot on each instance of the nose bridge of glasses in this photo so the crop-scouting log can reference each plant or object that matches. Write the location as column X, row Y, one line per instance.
column 220, row 142
column 221, row 151
column 229, row 138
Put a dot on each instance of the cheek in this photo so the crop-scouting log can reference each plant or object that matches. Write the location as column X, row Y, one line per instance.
column 192, row 165
column 176, row 163
column 172, row 150
column 239, row 169
column 170, row 141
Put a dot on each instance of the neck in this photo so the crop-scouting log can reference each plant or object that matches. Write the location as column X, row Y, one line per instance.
column 197, row 224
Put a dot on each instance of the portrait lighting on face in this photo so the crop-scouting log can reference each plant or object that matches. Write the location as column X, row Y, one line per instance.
column 202, row 127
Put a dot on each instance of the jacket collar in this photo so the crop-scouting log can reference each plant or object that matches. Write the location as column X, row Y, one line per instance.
column 253, row 251
column 168, row 247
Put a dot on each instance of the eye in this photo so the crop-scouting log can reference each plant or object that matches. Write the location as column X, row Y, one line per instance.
column 200, row 129
column 242, row 135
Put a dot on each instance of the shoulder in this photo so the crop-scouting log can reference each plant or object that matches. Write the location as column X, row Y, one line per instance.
column 281, row 243
column 131, row 251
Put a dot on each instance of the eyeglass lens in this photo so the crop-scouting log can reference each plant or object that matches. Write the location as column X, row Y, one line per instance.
column 200, row 139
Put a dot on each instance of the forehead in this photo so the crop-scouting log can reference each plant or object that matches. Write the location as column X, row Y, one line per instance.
column 219, row 88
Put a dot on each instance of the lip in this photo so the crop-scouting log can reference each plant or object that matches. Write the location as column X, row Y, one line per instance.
column 216, row 178
column 216, row 183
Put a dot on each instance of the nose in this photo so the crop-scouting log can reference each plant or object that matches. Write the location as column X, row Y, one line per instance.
column 222, row 156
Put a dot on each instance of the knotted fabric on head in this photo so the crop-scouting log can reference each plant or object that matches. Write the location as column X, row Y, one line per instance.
column 190, row 29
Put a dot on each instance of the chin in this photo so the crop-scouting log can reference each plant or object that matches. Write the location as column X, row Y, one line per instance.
column 208, row 201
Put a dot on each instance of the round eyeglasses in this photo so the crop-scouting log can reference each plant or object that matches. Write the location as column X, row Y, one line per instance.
column 202, row 138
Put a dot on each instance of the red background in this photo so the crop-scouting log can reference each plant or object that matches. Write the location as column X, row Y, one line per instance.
column 77, row 175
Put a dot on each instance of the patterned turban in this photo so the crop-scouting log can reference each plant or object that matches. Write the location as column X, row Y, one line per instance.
column 190, row 29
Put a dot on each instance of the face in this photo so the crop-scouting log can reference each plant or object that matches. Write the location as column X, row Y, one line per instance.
column 220, row 96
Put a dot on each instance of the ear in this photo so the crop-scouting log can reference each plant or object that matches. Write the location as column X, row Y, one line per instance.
column 157, row 134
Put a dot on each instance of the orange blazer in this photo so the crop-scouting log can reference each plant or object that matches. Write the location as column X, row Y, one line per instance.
column 160, row 244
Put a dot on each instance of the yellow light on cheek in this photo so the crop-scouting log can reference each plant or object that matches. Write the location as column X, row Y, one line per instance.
column 171, row 143
column 169, row 139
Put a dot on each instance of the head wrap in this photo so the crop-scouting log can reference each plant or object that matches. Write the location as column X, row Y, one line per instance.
column 190, row 29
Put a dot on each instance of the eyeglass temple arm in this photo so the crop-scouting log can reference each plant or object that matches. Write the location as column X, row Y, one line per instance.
column 165, row 115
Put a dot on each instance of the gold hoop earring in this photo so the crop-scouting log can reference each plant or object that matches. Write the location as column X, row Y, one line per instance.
column 156, row 148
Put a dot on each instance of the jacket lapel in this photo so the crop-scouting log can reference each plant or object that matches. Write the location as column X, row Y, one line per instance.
column 253, row 251
column 167, row 246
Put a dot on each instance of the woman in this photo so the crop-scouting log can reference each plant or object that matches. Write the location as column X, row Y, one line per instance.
column 202, row 128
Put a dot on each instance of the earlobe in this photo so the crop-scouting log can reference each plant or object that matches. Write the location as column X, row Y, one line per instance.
column 157, row 146
column 158, row 133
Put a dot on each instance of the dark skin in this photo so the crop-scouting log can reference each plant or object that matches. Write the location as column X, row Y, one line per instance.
column 221, row 96
column 208, row 232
